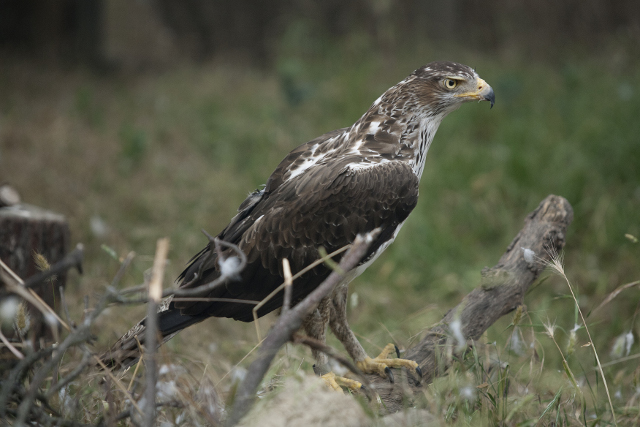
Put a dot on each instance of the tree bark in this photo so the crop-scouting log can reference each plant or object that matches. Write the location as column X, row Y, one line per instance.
column 24, row 231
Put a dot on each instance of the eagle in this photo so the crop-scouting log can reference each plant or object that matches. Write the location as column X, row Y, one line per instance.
column 323, row 194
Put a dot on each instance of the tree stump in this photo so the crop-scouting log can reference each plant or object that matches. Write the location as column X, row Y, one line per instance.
column 25, row 231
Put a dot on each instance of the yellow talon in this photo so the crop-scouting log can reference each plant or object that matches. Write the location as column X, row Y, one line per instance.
column 334, row 382
column 382, row 364
column 352, row 385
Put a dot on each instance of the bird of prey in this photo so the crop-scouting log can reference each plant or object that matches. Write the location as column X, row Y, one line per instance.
column 346, row 182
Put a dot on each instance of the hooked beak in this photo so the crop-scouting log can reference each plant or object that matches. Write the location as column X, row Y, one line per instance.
column 483, row 92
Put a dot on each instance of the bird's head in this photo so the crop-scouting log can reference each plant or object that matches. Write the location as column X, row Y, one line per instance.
column 449, row 84
column 440, row 87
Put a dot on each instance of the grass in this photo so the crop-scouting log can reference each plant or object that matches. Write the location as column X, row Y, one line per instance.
column 167, row 154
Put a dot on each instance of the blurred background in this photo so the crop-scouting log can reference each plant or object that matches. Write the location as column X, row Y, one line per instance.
column 151, row 118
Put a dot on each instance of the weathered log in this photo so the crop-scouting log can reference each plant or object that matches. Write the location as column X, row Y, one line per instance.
column 501, row 291
column 24, row 231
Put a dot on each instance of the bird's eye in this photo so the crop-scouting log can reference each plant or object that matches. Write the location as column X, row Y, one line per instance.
column 450, row 83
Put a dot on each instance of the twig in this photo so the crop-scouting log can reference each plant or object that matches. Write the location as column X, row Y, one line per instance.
column 10, row 346
column 86, row 360
column 295, row 276
column 16, row 375
column 186, row 291
column 288, row 285
column 79, row 336
column 287, row 324
column 155, row 295
column 65, row 307
column 128, row 413
column 15, row 284
column 332, row 353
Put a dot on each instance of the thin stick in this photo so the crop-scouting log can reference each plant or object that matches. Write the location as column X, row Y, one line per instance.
column 239, row 301
column 155, row 295
column 135, row 372
column 288, row 285
column 289, row 323
column 14, row 284
column 329, row 351
column 65, row 307
column 10, row 346
column 86, row 359
column 239, row 362
column 118, row 384
column 295, row 276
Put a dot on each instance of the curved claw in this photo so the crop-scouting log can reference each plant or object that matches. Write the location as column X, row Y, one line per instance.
column 397, row 351
column 389, row 373
column 419, row 371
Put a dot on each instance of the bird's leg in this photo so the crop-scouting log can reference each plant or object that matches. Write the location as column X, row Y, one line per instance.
column 381, row 364
column 315, row 325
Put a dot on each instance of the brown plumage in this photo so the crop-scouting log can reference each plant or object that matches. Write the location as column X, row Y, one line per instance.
column 323, row 194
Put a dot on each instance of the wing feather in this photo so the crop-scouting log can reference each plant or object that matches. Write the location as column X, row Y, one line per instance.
column 324, row 206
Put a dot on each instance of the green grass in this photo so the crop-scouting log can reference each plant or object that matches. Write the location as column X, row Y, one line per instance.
column 169, row 154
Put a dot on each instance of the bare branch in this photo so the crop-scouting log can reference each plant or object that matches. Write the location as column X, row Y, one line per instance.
column 287, row 324
column 288, row 285
column 332, row 353
column 151, row 332
column 501, row 291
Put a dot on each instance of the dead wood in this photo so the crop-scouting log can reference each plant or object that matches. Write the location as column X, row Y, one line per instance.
column 501, row 291
column 24, row 231
column 288, row 323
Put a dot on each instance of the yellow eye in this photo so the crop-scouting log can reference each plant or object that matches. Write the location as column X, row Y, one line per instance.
column 450, row 83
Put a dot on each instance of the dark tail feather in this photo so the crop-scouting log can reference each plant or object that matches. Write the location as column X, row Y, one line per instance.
column 172, row 321
column 126, row 351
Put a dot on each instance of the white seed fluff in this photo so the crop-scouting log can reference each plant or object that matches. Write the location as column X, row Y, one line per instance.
column 229, row 267
column 528, row 254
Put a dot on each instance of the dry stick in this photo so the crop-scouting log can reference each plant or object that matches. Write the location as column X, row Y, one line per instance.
column 81, row 335
column 288, row 285
column 114, row 283
column 287, row 324
column 332, row 353
column 295, row 276
column 155, row 295
column 15, row 376
column 77, row 336
column 14, row 350
column 15, row 284
column 502, row 290
column 185, row 291
column 239, row 362
column 127, row 413
column 86, row 360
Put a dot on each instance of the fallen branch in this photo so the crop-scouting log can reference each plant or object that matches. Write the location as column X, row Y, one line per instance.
column 501, row 291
